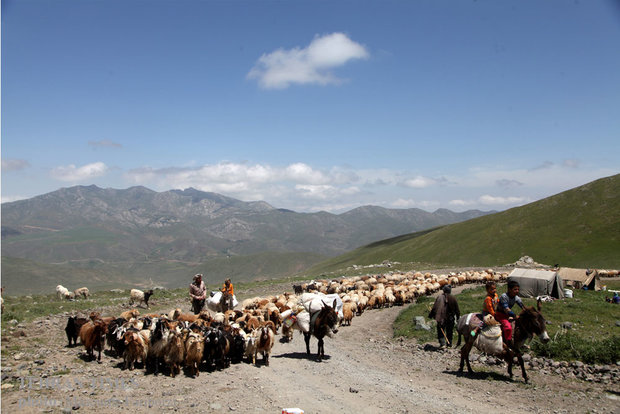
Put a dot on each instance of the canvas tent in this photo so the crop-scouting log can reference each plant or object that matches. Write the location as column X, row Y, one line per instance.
column 578, row 278
column 538, row 282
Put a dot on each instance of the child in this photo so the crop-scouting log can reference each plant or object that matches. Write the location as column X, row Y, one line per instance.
column 488, row 307
column 504, row 311
column 490, row 301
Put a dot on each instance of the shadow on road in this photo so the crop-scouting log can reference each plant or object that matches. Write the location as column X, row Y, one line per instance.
column 299, row 355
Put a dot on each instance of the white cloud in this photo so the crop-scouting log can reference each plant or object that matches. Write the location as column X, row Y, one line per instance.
column 409, row 203
column 71, row 173
column 460, row 203
column 14, row 164
column 492, row 200
column 320, row 192
column 304, row 173
column 310, row 65
column 301, row 187
column 419, row 182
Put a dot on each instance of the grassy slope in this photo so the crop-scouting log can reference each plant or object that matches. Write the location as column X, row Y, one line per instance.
column 577, row 228
column 594, row 323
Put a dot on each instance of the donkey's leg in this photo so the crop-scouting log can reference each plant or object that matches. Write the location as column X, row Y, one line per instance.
column 508, row 357
column 520, row 359
column 321, row 351
column 465, row 355
column 307, row 339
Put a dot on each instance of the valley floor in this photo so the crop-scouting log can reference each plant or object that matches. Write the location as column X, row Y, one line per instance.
column 365, row 371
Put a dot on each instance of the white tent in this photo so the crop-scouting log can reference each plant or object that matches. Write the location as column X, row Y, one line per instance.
column 538, row 282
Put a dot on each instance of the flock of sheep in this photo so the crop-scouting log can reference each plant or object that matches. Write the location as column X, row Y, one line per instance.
column 176, row 339
column 64, row 293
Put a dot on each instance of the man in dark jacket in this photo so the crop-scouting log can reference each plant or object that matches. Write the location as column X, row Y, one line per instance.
column 445, row 312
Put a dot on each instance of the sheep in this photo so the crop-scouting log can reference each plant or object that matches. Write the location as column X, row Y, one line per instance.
column 194, row 349
column 83, row 292
column 348, row 309
column 140, row 297
column 220, row 318
column 2, row 302
column 63, row 293
column 92, row 336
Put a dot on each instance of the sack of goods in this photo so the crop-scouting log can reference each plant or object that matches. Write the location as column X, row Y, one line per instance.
column 490, row 340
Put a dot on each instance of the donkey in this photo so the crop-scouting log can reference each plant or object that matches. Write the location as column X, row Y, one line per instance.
column 323, row 322
column 530, row 322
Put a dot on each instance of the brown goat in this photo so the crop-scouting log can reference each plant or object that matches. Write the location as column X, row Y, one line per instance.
column 174, row 353
column 264, row 343
column 187, row 317
column 136, row 347
column 92, row 336
column 194, row 348
column 127, row 315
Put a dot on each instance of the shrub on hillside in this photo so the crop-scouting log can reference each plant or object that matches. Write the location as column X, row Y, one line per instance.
column 569, row 347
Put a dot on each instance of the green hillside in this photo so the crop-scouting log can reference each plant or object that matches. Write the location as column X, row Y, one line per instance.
column 576, row 228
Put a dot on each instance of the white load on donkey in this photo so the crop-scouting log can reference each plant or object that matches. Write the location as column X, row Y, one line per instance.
column 299, row 318
column 319, row 316
column 490, row 338
column 214, row 302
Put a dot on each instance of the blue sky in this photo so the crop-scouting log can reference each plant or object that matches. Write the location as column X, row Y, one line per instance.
column 312, row 105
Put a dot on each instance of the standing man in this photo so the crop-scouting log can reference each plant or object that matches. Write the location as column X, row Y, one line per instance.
column 446, row 312
column 197, row 293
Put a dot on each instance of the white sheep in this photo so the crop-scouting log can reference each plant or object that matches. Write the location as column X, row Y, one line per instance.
column 140, row 297
column 83, row 291
column 63, row 293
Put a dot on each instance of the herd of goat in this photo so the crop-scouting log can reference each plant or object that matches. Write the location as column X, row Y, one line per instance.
column 178, row 339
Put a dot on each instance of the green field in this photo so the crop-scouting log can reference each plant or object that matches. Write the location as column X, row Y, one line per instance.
column 593, row 338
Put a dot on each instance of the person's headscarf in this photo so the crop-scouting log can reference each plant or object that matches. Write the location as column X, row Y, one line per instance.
column 447, row 289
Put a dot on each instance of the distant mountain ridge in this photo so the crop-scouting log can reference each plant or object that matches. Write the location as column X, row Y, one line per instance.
column 120, row 233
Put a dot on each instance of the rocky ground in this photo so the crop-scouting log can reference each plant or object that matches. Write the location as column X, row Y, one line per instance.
column 366, row 370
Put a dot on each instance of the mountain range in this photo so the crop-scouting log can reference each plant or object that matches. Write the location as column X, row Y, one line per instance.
column 86, row 235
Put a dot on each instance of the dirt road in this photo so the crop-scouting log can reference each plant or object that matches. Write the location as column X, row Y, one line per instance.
column 365, row 371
